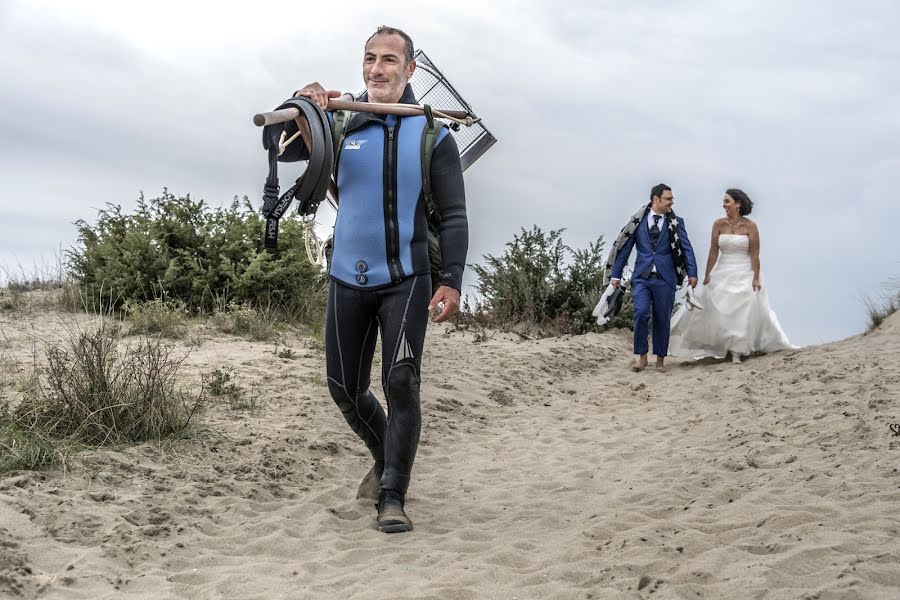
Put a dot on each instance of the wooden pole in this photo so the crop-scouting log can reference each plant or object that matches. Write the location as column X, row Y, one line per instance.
column 286, row 114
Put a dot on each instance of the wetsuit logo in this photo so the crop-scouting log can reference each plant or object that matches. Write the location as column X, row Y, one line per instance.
column 404, row 350
column 354, row 144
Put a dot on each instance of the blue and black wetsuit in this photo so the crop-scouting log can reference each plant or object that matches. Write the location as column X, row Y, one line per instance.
column 381, row 277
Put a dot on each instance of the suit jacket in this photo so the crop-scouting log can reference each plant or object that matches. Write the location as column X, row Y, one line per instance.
column 659, row 254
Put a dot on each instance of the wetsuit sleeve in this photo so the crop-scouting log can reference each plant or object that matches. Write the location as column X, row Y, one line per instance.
column 450, row 198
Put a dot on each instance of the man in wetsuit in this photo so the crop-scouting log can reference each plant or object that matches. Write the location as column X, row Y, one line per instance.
column 380, row 271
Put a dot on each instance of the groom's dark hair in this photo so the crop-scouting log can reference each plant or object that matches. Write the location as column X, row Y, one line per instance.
column 658, row 189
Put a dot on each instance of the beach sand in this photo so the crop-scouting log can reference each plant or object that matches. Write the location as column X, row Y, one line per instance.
column 546, row 470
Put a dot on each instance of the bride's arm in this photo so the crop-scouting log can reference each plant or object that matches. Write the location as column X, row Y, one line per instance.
column 754, row 254
column 713, row 251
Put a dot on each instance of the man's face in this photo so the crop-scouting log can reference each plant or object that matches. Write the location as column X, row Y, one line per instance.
column 662, row 204
column 385, row 69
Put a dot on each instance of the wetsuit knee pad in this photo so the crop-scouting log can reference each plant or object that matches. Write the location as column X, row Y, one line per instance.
column 403, row 381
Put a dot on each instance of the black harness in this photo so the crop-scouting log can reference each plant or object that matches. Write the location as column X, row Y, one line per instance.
column 310, row 188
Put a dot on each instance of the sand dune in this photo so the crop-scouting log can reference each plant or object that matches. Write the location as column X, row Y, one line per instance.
column 546, row 470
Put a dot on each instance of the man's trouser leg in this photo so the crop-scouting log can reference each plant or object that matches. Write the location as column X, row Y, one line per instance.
column 641, row 298
column 403, row 314
column 663, row 301
column 351, row 329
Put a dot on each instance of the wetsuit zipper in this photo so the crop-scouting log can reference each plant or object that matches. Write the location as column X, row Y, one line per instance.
column 391, row 193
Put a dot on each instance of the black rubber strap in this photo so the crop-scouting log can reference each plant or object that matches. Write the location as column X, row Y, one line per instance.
column 309, row 190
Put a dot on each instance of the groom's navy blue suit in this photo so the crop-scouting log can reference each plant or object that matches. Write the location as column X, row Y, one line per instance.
column 654, row 291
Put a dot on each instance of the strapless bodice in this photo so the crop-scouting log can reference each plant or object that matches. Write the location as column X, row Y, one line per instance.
column 730, row 243
column 734, row 248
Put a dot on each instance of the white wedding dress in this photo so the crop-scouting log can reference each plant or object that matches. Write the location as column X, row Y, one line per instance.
column 734, row 317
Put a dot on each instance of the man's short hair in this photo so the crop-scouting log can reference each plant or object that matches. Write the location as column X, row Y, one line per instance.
column 658, row 190
column 385, row 30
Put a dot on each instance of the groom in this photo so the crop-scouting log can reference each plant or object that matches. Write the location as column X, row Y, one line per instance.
column 664, row 256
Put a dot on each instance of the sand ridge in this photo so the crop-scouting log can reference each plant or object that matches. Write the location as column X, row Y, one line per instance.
column 547, row 469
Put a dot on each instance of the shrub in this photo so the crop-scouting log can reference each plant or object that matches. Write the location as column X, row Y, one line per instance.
column 47, row 285
column 162, row 316
column 540, row 280
column 180, row 249
column 10, row 299
column 222, row 384
column 522, row 284
column 878, row 312
column 26, row 450
column 93, row 393
column 245, row 320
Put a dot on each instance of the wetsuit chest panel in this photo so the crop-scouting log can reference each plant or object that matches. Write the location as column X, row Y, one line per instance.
column 380, row 183
column 409, row 191
column 360, row 253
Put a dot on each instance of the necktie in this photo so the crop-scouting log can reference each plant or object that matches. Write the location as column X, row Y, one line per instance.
column 654, row 231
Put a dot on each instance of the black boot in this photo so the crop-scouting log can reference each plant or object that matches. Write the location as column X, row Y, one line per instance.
column 391, row 518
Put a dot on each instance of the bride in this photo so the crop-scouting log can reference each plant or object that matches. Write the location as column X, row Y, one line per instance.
column 736, row 317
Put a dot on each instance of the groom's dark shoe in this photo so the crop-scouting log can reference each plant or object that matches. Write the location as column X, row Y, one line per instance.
column 391, row 518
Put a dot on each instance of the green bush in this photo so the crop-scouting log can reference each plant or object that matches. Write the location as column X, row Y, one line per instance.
column 540, row 280
column 166, row 317
column 181, row 249
column 256, row 323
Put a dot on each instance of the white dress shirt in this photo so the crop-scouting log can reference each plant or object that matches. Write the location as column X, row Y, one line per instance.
column 662, row 220
column 650, row 219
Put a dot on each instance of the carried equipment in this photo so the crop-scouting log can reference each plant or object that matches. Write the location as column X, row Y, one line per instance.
column 324, row 141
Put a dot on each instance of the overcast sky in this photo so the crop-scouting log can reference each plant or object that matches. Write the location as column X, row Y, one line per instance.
column 592, row 102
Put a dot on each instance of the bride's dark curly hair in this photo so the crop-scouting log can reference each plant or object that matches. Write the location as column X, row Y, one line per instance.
column 746, row 204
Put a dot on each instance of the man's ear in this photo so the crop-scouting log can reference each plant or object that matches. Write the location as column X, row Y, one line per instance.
column 410, row 68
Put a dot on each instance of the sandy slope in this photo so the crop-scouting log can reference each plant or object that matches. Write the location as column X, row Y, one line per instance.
column 546, row 470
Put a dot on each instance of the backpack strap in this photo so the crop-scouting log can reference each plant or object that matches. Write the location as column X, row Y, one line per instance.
column 432, row 216
column 429, row 137
column 339, row 120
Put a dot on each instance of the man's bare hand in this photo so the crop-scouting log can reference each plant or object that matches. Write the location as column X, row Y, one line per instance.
column 447, row 296
column 692, row 281
column 615, row 282
column 316, row 92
